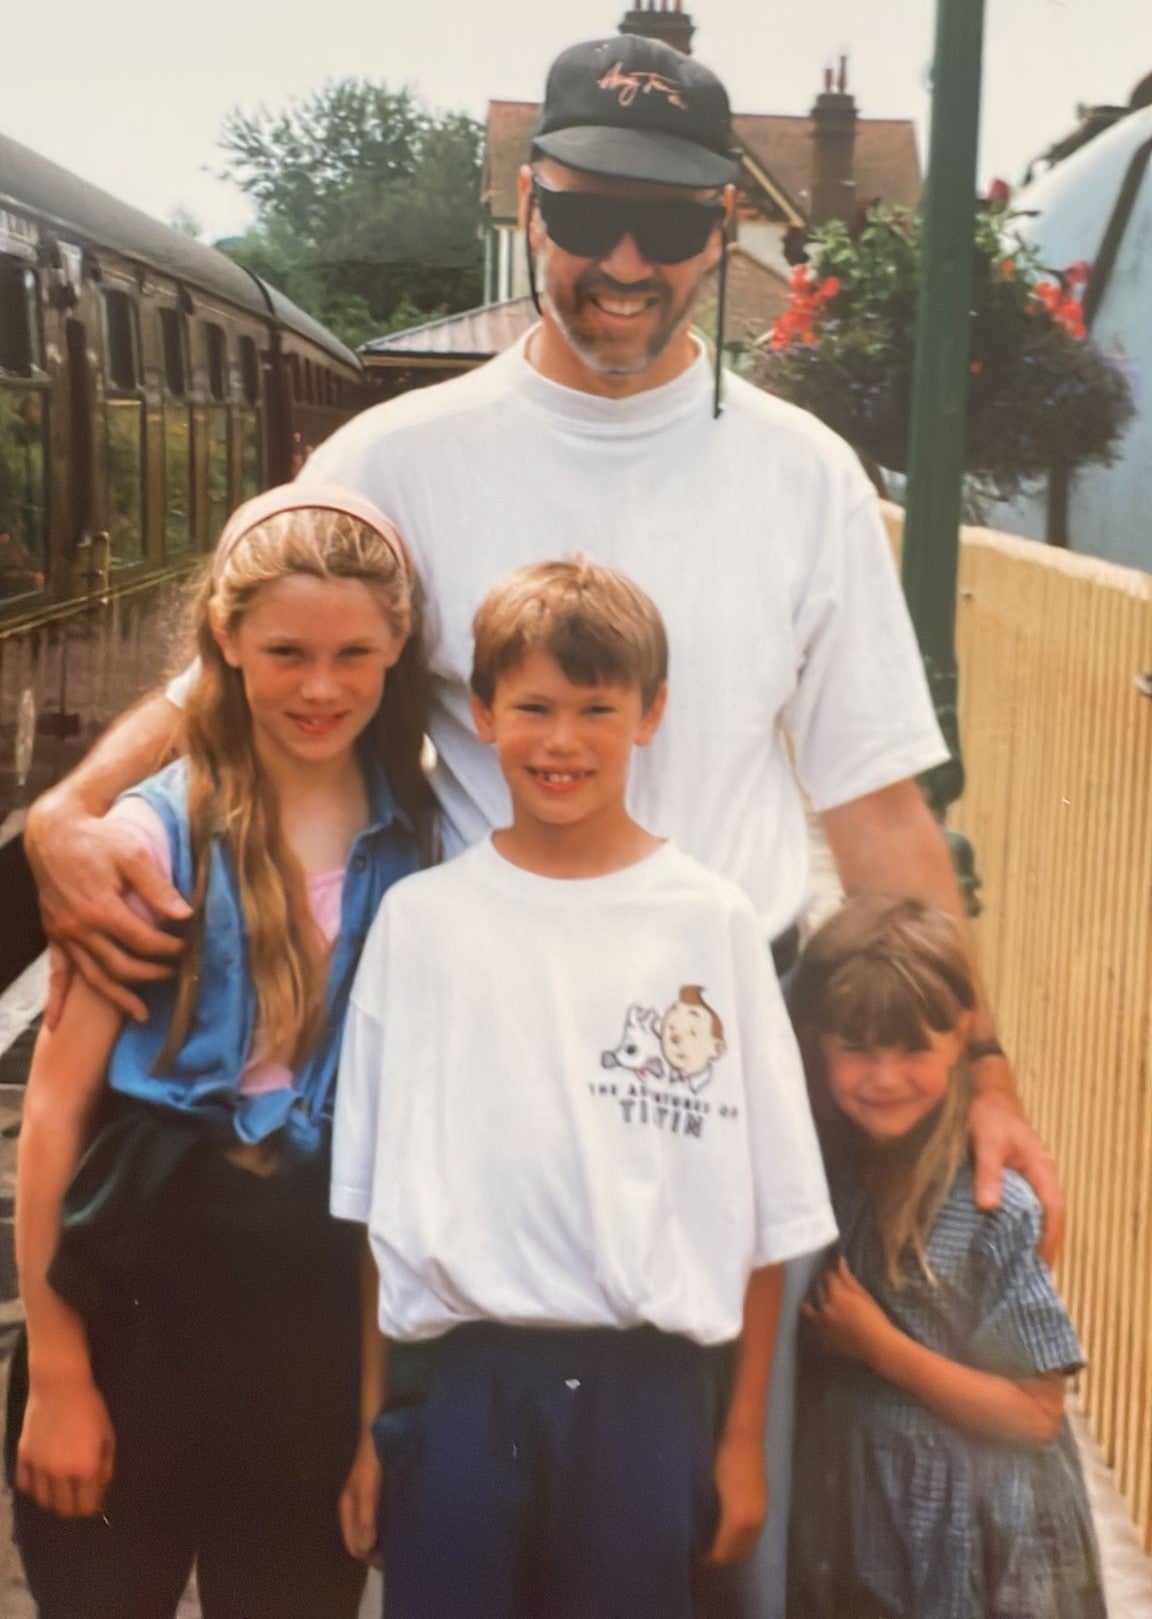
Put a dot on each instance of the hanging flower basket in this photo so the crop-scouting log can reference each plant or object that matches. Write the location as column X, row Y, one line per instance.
column 1041, row 392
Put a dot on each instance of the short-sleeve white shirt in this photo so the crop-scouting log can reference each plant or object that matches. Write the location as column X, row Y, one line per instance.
column 572, row 1103
column 757, row 536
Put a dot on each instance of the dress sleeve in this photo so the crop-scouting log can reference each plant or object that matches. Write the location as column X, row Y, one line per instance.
column 1022, row 1328
column 861, row 717
column 358, row 1082
column 793, row 1211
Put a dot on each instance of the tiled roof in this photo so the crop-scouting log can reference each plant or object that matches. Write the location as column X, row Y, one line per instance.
column 887, row 165
column 509, row 139
column 474, row 334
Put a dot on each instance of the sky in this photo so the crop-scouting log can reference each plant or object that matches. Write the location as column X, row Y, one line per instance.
column 133, row 97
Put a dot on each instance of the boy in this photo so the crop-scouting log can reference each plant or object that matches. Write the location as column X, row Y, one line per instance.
column 579, row 1226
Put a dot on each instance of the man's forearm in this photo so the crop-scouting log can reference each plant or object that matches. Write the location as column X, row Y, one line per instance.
column 131, row 748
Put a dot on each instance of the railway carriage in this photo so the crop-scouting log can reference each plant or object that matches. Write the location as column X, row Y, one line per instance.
column 147, row 384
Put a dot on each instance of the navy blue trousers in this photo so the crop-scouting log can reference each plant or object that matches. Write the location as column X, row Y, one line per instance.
column 551, row 1475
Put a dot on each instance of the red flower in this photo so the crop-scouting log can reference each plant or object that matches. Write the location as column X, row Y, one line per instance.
column 1007, row 268
column 1076, row 275
column 829, row 288
column 798, row 280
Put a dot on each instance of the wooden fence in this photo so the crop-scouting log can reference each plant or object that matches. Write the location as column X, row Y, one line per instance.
column 1057, row 735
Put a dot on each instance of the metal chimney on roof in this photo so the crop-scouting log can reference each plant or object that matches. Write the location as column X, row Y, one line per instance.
column 668, row 22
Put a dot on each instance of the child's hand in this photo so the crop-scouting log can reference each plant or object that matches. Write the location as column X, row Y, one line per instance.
column 743, row 1492
column 67, row 1448
column 360, row 1502
column 845, row 1318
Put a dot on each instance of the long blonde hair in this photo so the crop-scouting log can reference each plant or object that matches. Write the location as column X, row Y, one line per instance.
column 885, row 972
column 230, row 796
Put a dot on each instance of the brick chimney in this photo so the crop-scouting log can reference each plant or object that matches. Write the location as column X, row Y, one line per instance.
column 833, row 116
column 661, row 19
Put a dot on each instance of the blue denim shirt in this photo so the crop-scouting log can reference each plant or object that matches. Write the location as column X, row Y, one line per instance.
column 203, row 1076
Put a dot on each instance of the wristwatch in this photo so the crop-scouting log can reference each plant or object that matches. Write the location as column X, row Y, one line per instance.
column 984, row 1048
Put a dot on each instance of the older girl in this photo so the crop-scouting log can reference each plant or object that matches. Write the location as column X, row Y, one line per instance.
column 189, row 1394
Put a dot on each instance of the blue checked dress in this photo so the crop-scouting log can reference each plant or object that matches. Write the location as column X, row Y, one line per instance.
column 896, row 1513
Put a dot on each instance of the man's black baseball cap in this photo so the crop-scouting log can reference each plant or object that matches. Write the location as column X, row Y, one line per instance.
column 637, row 109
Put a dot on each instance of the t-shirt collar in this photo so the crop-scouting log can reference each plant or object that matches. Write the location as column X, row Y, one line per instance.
column 641, row 413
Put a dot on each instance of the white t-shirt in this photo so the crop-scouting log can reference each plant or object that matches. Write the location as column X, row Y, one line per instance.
column 572, row 1103
column 757, row 536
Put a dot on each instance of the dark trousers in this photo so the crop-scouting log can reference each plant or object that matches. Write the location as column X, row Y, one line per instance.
column 551, row 1475
column 229, row 1366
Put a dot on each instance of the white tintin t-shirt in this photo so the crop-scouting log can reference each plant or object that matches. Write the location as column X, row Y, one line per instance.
column 572, row 1103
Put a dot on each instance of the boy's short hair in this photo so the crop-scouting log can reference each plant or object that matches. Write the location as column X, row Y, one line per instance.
column 600, row 627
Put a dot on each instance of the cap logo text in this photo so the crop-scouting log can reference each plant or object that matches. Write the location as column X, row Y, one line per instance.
column 631, row 85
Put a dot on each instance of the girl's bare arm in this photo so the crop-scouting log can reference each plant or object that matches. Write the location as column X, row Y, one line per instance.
column 64, row 1458
column 847, row 1320
column 359, row 1501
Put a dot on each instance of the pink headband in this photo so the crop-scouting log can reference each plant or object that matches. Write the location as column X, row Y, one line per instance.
column 294, row 497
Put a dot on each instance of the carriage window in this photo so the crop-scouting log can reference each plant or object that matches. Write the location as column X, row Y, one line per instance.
column 172, row 338
column 216, row 472
column 23, row 515
column 249, row 370
column 123, row 345
column 125, row 467
column 177, row 481
column 217, row 354
column 19, row 346
column 308, row 391
column 248, row 455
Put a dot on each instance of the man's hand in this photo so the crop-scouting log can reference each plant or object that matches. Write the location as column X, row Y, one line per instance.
column 1003, row 1139
column 65, row 1457
column 844, row 1318
column 360, row 1502
column 85, row 868
column 743, row 1494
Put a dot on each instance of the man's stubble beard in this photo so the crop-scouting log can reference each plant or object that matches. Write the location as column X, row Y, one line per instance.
column 596, row 351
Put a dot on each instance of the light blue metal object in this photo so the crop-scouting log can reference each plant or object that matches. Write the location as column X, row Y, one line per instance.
column 1097, row 205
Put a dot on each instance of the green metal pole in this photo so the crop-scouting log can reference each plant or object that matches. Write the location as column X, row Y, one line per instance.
column 940, row 378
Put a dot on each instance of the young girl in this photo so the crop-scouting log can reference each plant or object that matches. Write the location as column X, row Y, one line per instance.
column 936, row 1477
column 190, row 1389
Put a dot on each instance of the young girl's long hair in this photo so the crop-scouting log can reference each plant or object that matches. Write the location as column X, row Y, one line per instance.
column 230, row 795
column 885, row 972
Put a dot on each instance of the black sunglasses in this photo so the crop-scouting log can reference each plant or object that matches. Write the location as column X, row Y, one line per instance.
column 588, row 224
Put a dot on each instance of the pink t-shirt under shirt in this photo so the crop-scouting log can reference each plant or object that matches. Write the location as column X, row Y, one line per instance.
column 325, row 892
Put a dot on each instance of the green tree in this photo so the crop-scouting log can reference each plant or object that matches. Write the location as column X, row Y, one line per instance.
column 367, row 205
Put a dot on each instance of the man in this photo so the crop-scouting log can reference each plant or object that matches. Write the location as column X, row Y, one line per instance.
column 794, row 668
